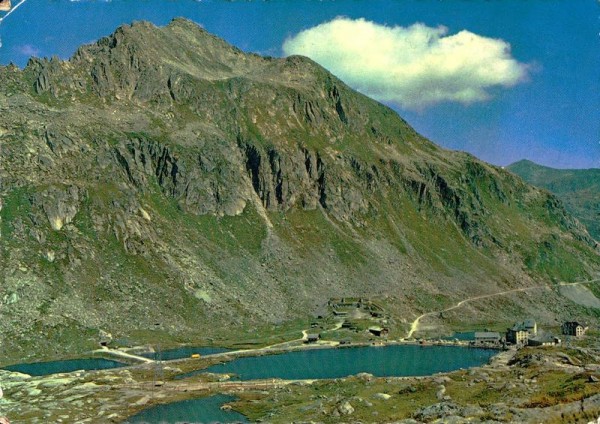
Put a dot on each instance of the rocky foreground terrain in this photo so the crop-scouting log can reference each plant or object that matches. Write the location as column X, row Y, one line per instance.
column 164, row 185
column 549, row 385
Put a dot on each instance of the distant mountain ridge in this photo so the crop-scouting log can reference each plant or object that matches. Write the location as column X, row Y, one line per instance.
column 162, row 176
column 579, row 189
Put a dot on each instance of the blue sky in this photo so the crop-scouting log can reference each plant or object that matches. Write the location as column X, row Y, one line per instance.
column 544, row 109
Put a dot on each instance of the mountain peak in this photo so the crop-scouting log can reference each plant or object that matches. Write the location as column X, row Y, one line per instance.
column 523, row 162
column 143, row 62
column 178, row 31
column 182, row 43
column 139, row 60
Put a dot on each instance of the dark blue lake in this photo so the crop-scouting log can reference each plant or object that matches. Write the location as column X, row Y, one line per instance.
column 388, row 361
column 205, row 410
column 69, row 365
column 182, row 352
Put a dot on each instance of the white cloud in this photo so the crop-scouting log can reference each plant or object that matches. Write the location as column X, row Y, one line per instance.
column 415, row 66
column 28, row 50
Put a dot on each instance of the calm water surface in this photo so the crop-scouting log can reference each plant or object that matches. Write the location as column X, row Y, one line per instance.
column 388, row 361
column 69, row 365
column 205, row 410
column 400, row 360
column 397, row 360
column 90, row 364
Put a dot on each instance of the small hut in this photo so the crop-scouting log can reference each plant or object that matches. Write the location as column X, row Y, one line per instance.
column 312, row 338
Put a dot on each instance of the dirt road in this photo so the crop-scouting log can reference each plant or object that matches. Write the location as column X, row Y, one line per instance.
column 415, row 324
column 121, row 354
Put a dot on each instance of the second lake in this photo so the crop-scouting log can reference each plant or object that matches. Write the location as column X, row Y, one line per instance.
column 388, row 361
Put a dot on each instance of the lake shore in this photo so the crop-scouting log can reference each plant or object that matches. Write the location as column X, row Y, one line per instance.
column 100, row 396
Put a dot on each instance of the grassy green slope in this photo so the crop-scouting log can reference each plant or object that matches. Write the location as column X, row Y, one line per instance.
column 579, row 189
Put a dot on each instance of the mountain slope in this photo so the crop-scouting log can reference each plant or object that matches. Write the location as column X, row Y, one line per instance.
column 579, row 189
column 162, row 182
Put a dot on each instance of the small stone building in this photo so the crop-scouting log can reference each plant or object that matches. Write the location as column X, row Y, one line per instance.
column 521, row 332
column 379, row 331
column 573, row 328
column 487, row 337
column 312, row 338
column 543, row 339
column 517, row 335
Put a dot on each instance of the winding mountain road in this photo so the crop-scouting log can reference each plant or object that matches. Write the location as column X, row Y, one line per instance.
column 415, row 324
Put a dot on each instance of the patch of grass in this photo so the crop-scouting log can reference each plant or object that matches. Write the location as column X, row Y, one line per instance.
column 594, row 288
column 556, row 388
column 479, row 393
column 590, row 415
column 555, row 258
column 83, row 222
column 579, row 189
column 16, row 206
column 310, row 231
column 252, row 336
column 244, row 231
column 247, row 229
column 318, row 401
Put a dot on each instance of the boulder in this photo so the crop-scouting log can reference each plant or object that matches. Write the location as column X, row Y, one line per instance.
column 365, row 376
column 437, row 410
column 440, row 394
column 382, row 396
column 345, row 408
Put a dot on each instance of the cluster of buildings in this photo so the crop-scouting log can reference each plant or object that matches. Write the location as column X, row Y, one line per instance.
column 358, row 314
column 526, row 333
column 342, row 307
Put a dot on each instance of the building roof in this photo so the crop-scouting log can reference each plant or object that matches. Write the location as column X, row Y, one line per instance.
column 543, row 338
column 486, row 334
column 523, row 326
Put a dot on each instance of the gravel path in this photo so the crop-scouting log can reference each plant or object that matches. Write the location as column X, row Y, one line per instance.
column 415, row 324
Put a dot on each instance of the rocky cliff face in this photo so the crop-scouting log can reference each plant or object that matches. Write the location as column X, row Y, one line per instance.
column 163, row 176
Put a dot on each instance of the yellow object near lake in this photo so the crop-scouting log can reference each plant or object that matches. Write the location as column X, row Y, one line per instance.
column 195, row 355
